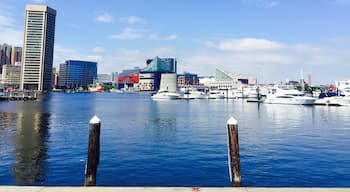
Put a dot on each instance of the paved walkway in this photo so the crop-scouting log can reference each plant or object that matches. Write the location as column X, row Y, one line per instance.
column 162, row 189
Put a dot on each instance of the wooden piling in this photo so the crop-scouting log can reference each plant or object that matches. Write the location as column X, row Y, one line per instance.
column 93, row 152
column 233, row 153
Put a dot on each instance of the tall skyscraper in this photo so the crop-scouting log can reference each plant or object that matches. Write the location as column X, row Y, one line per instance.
column 5, row 55
column 16, row 55
column 39, row 36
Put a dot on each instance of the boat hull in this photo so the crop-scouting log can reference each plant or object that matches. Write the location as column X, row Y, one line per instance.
column 165, row 96
column 333, row 101
column 291, row 101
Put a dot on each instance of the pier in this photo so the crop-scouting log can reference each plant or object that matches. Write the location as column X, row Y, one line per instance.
column 11, row 96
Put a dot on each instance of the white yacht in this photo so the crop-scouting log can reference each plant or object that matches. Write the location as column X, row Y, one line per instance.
column 334, row 101
column 216, row 94
column 277, row 95
column 168, row 89
column 165, row 95
column 194, row 94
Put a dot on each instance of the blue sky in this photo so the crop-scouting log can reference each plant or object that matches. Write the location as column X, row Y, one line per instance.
column 269, row 39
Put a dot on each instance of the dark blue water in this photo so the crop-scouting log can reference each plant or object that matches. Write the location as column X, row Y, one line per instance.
column 172, row 143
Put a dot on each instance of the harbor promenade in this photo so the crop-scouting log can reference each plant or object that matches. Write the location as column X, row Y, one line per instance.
column 164, row 189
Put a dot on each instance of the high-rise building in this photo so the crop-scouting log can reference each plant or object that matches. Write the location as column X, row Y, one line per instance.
column 16, row 55
column 39, row 36
column 75, row 74
column 5, row 50
column 5, row 55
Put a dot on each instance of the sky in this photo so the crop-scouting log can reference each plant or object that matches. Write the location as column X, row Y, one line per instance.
column 272, row 40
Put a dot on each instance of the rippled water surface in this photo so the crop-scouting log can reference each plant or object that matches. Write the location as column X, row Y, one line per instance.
column 172, row 143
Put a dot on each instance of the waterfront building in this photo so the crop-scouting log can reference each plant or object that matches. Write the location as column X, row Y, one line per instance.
column 187, row 79
column 104, row 78
column 114, row 77
column 170, row 62
column 221, row 80
column 39, row 35
column 74, row 74
column 128, row 78
column 168, row 82
column 11, row 75
column 221, row 75
column 150, row 76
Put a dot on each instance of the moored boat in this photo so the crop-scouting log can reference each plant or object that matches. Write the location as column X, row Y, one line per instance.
column 216, row 94
column 288, row 96
column 96, row 89
column 165, row 95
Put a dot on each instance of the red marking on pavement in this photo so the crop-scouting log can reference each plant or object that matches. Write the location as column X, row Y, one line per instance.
column 196, row 189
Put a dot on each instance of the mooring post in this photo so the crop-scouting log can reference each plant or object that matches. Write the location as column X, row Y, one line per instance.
column 93, row 152
column 233, row 152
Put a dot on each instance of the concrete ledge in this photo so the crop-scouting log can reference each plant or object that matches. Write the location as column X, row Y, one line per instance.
column 161, row 189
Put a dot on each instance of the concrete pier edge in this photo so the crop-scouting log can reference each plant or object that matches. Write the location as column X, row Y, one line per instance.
column 165, row 189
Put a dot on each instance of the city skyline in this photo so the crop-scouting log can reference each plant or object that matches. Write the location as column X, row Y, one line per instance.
column 270, row 39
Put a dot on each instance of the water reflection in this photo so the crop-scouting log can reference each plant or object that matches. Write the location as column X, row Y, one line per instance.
column 31, row 144
column 161, row 124
column 287, row 115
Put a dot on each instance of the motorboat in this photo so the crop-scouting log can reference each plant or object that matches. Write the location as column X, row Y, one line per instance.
column 96, row 89
column 165, row 95
column 334, row 101
column 194, row 94
column 216, row 94
column 277, row 95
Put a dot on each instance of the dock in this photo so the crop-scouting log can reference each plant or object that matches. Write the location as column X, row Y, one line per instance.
column 12, row 96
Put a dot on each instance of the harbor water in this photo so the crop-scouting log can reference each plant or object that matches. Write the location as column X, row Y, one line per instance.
column 172, row 143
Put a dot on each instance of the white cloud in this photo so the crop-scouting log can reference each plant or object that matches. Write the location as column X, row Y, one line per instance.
column 94, row 57
column 171, row 37
column 205, row 43
column 127, row 34
column 262, row 3
column 11, row 36
column 63, row 53
column 6, row 21
column 249, row 44
column 130, row 58
column 9, row 33
column 105, row 18
column 154, row 36
column 132, row 20
column 272, row 61
column 98, row 49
